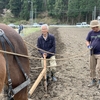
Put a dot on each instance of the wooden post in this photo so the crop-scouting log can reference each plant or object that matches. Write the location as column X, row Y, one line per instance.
column 42, row 74
column 37, row 81
column 45, row 76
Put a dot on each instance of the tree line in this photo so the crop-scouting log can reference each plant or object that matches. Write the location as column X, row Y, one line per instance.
column 65, row 11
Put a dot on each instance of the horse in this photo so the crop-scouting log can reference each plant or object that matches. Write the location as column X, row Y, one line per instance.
column 9, row 64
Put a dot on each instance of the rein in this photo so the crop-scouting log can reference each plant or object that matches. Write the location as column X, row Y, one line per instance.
column 11, row 92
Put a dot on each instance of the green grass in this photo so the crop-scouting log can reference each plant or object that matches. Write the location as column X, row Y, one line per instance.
column 28, row 31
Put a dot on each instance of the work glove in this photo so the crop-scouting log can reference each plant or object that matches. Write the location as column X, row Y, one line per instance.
column 89, row 47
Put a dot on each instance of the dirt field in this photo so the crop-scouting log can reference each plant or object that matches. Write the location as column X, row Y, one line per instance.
column 72, row 72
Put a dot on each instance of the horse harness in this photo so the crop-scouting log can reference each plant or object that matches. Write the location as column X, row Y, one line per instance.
column 11, row 92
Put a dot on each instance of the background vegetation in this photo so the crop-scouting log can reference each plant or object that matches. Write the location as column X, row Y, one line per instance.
column 51, row 11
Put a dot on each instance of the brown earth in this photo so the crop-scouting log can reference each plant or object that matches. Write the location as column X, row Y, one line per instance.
column 72, row 72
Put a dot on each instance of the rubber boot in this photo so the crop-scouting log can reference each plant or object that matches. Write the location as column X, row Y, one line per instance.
column 53, row 76
column 48, row 78
column 93, row 82
column 99, row 84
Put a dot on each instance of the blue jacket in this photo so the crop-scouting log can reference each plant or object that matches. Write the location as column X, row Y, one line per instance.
column 47, row 45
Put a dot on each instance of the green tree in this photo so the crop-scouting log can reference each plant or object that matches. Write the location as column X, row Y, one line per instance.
column 6, row 4
column 50, row 7
column 25, row 10
column 15, row 7
column 81, row 10
column 57, row 9
column 1, row 6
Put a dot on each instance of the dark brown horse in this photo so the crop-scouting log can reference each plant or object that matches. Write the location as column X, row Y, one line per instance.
column 16, row 74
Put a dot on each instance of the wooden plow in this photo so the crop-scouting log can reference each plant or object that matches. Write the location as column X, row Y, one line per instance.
column 43, row 74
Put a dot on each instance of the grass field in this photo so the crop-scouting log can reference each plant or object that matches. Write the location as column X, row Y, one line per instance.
column 28, row 31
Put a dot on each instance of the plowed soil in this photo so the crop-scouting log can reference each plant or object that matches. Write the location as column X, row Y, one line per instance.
column 72, row 70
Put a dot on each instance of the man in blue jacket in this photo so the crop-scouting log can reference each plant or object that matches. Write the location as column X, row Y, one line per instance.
column 47, row 42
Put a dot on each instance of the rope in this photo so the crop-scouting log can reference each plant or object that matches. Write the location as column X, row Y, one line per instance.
column 47, row 67
column 37, row 57
column 19, row 55
column 63, row 59
column 31, row 57
column 47, row 51
column 42, row 49
column 53, row 66
column 50, row 52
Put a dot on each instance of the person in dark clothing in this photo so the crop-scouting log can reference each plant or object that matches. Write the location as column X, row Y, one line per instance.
column 47, row 42
column 93, row 43
column 20, row 28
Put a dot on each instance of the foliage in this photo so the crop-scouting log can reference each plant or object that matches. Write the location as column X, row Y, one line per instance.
column 1, row 4
column 69, row 11
column 25, row 10
column 8, row 17
column 81, row 10
column 57, row 8
column 21, row 22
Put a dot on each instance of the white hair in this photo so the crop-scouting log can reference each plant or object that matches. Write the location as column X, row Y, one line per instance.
column 45, row 25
